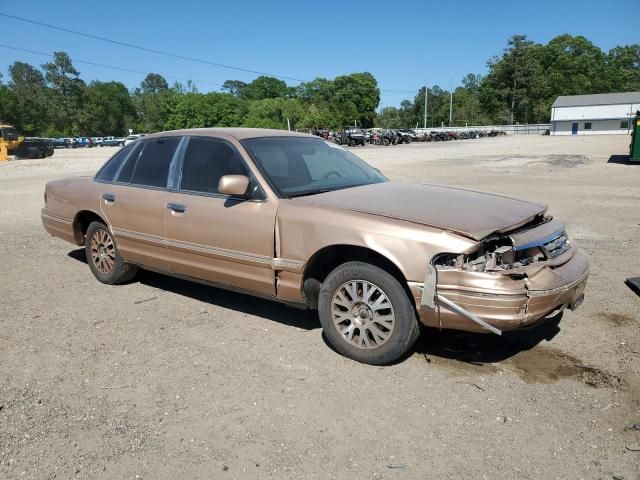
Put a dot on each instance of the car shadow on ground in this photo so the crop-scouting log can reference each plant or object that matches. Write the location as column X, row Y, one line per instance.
column 239, row 302
column 468, row 348
column 621, row 160
column 482, row 348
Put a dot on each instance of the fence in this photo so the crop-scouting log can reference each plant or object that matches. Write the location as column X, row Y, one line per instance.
column 526, row 129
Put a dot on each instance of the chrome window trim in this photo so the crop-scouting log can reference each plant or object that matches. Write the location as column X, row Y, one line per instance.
column 175, row 167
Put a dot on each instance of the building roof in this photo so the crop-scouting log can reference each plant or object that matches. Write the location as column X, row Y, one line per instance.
column 597, row 99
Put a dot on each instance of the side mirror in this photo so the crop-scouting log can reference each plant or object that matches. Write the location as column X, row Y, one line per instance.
column 236, row 185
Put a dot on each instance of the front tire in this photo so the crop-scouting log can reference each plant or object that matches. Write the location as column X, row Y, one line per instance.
column 366, row 315
column 103, row 257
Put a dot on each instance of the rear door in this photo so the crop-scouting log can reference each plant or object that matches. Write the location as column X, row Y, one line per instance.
column 213, row 236
column 134, row 203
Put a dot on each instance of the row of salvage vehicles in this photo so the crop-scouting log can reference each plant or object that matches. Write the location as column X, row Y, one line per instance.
column 23, row 147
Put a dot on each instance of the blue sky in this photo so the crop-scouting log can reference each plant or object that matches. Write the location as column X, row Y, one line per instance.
column 404, row 44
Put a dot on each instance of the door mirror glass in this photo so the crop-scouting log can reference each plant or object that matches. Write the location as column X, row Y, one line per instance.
column 236, row 185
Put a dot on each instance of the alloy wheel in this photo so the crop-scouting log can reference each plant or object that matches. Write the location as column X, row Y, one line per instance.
column 362, row 314
column 103, row 253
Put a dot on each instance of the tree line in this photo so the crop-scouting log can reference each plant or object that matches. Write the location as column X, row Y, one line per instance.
column 523, row 82
column 520, row 86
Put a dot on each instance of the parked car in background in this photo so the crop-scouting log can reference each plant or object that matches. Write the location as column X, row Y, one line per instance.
column 351, row 136
column 34, row 147
column 82, row 142
column 133, row 138
column 301, row 220
column 113, row 142
column 61, row 142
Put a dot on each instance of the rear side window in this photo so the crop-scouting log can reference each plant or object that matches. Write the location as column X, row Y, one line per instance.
column 206, row 161
column 109, row 170
column 152, row 166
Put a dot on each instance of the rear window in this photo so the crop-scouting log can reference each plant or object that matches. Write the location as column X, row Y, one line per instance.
column 109, row 170
column 152, row 167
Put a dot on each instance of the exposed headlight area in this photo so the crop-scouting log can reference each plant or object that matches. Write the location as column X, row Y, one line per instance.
column 502, row 253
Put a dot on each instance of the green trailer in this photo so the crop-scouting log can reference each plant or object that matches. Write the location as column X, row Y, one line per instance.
column 634, row 154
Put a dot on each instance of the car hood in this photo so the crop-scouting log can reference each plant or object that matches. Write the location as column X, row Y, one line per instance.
column 465, row 212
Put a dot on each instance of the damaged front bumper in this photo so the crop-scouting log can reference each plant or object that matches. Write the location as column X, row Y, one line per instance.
column 500, row 301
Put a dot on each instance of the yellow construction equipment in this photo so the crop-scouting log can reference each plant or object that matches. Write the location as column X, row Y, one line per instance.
column 9, row 137
column 30, row 147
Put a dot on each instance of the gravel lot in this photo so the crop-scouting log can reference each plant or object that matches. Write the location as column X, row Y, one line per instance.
column 162, row 378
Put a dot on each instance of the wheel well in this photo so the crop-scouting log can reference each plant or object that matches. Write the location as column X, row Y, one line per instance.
column 81, row 224
column 326, row 260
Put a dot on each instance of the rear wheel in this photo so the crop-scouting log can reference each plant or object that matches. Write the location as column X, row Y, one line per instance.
column 103, row 257
column 366, row 315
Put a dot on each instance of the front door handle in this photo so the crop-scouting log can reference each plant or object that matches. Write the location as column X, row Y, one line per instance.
column 176, row 207
column 109, row 197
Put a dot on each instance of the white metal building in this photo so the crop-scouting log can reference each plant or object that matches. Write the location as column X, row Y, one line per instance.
column 602, row 113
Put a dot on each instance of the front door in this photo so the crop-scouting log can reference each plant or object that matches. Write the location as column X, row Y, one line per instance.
column 213, row 236
column 574, row 128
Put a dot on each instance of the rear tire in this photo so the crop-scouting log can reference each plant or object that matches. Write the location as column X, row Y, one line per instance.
column 103, row 257
column 366, row 315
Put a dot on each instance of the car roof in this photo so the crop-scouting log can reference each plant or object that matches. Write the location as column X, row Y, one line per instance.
column 237, row 133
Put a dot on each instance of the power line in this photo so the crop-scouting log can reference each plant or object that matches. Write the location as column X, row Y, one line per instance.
column 113, row 67
column 144, row 49
column 161, row 52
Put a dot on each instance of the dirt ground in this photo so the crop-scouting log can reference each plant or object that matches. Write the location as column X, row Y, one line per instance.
column 162, row 378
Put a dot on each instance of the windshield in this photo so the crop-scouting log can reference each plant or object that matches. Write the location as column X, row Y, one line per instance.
column 298, row 166
column 9, row 133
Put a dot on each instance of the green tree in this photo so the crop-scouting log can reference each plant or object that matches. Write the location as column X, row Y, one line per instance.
column 154, row 83
column 108, row 108
column 623, row 68
column 234, row 87
column 389, row 117
column 67, row 94
column 274, row 112
column 515, row 82
column 265, row 87
column 8, row 108
column 28, row 94
column 357, row 97
column 195, row 110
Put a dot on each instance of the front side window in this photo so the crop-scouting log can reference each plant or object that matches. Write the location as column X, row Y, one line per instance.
column 109, row 170
column 297, row 166
column 151, row 167
column 206, row 160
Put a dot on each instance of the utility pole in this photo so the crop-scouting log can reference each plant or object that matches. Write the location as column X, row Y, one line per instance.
column 426, row 94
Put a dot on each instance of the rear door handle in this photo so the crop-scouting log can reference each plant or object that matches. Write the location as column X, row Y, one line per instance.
column 176, row 207
column 109, row 197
